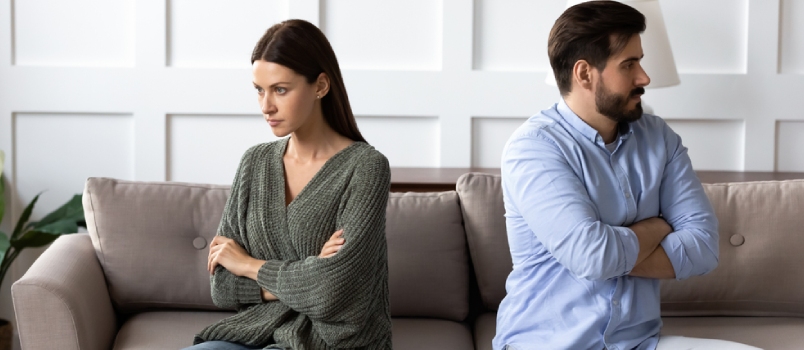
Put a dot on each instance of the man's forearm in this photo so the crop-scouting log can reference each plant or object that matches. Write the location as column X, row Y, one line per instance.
column 656, row 265
column 649, row 232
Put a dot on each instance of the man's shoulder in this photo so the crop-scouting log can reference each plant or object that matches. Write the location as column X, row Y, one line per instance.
column 650, row 123
column 545, row 124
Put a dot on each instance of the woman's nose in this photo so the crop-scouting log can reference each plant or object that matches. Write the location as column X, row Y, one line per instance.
column 267, row 105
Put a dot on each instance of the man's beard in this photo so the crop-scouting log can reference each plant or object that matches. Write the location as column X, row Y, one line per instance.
column 615, row 106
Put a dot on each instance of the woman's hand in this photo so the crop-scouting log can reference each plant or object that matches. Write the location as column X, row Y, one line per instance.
column 333, row 245
column 227, row 253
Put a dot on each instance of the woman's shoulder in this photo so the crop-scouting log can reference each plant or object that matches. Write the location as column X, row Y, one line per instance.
column 265, row 149
column 368, row 155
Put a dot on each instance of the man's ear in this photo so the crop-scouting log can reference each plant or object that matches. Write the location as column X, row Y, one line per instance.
column 322, row 85
column 582, row 74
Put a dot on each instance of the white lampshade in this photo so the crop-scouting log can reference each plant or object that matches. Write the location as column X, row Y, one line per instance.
column 658, row 61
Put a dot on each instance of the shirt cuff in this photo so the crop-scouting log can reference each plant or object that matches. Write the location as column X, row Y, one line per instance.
column 630, row 248
column 674, row 248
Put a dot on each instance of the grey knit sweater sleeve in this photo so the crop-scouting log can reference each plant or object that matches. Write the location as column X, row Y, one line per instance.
column 339, row 293
column 228, row 290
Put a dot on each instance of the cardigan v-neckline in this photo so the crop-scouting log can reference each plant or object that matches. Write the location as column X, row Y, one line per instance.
column 316, row 176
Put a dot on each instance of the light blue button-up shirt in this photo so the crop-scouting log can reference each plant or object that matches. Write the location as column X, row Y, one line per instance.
column 568, row 204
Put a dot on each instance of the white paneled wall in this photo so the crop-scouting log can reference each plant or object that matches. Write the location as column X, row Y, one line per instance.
column 488, row 139
column 792, row 37
column 512, row 35
column 195, row 151
column 161, row 89
column 711, row 36
column 88, row 33
column 790, row 145
column 218, row 34
column 387, row 35
column 712, row 144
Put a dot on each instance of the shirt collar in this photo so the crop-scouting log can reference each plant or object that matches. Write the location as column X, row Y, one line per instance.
column 623, row 130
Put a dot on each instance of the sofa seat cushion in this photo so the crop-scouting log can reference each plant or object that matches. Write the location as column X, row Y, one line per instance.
column 764, row 332
column 164, row 329
column 425, row 334
column 485, row 329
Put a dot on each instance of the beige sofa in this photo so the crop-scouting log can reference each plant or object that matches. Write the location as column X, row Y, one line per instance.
column 138, row 279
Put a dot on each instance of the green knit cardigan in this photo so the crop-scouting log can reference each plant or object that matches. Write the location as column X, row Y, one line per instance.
column 324, row 303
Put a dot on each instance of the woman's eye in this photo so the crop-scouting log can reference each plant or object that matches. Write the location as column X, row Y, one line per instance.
column 281, row 90
column 259, row 90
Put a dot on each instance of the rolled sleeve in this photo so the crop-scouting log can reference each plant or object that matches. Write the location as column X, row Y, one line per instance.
column 693, row 247
column 630, row 248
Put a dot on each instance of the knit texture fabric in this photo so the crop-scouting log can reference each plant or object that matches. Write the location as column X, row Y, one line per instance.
column 324, row 303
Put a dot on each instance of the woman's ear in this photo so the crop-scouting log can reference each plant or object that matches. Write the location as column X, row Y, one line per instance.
column 322, row 85
column 582, row 74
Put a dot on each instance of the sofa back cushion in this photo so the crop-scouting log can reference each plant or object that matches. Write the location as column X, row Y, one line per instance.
column 428, row 264
column 761, row 234
column 761, row 241
column 484, row 221
column 152, row 240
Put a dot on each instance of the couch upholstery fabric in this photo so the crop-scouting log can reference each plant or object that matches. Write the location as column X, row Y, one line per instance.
column 414, row 334
column 761, row 229
column 484, row 221
column 164, row 329
column 151, row 239
column 428, row 265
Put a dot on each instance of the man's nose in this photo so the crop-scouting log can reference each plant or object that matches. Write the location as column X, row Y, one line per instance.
column 642, row 79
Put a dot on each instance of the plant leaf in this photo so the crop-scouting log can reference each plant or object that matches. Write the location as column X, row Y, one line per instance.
column 2, row 196
column 60, row 227
column 26, row 214
column 73, row 211
column 33, row 239
column 4, row 244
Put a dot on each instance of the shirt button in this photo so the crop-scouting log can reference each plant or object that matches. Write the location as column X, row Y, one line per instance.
column 615, row 303
column 627, row 195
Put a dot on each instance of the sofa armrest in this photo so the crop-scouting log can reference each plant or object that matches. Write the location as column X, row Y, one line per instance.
column 62, row 301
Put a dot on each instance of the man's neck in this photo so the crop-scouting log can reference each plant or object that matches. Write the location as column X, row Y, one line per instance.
column 584, row 107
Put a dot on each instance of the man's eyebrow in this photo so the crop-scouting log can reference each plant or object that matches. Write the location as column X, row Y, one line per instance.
column 632, row 58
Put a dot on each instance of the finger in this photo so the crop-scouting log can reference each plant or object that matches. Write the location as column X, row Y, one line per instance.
column 332, row 250
column 213, row 264
column 336, row 234
column 215, row 249
column 215, row 240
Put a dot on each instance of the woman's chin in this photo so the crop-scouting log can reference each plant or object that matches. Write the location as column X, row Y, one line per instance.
column 280, row 132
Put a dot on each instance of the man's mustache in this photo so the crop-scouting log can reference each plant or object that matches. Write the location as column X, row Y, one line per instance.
column 637, row 91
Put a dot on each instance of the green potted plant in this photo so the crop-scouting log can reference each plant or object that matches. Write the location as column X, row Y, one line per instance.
column 27, row 234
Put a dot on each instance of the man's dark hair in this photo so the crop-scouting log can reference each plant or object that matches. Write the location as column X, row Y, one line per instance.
column 591, row 31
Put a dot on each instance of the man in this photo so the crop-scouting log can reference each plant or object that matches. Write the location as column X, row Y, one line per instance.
column 601, row 201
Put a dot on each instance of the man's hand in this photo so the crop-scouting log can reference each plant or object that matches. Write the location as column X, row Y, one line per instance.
column 650, row 232
column 227, row 253
column 333, row 245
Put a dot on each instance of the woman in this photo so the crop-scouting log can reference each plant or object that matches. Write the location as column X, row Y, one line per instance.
column 300, row 251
